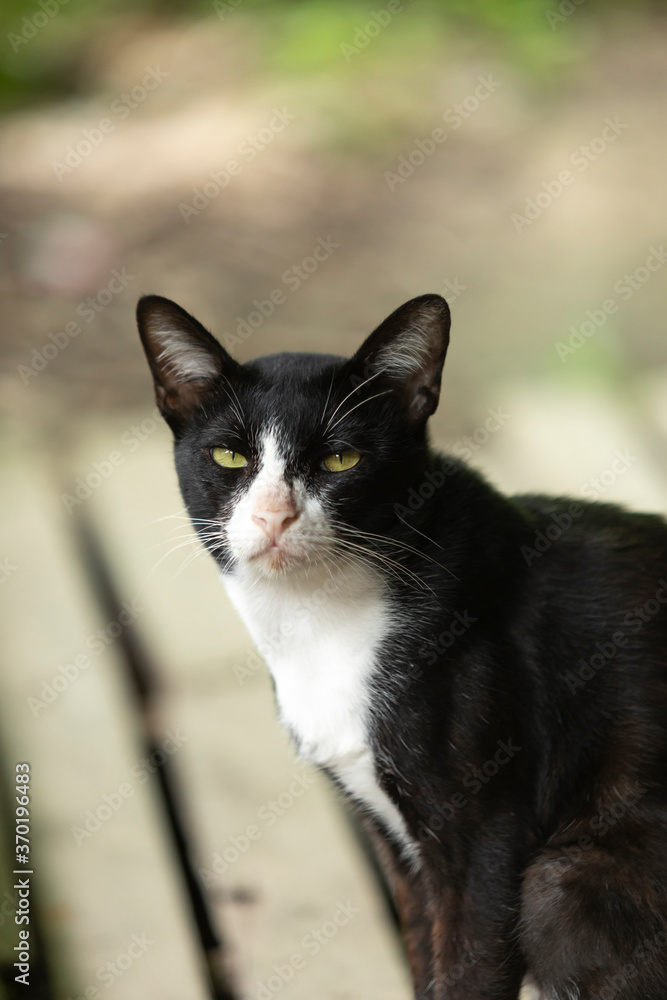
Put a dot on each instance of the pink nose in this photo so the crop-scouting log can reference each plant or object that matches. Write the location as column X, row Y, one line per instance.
column 274, row 522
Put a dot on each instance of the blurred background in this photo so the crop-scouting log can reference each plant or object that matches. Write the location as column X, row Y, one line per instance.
column 289, row 173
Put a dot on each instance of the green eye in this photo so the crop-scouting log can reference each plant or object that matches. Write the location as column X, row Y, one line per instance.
column 228, row 459
column 341, row 461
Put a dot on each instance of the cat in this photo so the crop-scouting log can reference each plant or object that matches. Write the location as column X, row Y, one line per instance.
column 484, row 677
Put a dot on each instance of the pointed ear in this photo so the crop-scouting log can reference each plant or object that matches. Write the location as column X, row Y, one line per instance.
column 185, row 359
column 409, row 349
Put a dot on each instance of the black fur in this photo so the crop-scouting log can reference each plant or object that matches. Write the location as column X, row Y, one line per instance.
column 520, row 725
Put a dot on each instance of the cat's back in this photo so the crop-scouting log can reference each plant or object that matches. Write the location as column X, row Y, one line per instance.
column 595, row 610
column 593, row 541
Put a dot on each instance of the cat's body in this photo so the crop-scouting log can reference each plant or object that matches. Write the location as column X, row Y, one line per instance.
column 322, row 673
column 486, row 677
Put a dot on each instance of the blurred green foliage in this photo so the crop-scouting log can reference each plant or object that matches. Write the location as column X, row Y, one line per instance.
column 311, row 33
column 46, row 41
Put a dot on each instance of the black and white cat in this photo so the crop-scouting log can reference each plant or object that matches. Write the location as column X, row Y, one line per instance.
column 485, row 676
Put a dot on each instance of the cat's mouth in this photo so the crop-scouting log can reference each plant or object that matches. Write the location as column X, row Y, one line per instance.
column 281, row 536
column 276, row 557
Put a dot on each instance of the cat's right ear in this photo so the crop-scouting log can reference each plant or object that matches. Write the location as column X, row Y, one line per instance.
column 185, row 359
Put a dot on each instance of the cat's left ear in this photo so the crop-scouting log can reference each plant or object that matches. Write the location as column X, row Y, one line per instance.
column 185, row 359
column 409, row 349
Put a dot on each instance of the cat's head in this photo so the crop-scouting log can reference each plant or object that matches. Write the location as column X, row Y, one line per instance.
column 291, row 461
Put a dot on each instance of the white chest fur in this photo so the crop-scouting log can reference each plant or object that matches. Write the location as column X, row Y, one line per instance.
column 320, row 643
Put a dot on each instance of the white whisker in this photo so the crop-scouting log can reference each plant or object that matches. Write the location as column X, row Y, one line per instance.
column 384, row 392
column 356, row 388
column 388, row 540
